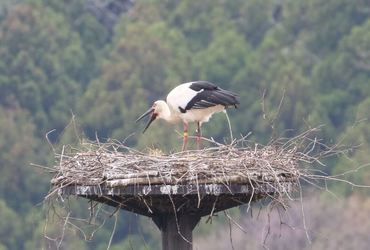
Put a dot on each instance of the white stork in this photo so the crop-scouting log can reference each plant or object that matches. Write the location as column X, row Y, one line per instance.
column 191, row 102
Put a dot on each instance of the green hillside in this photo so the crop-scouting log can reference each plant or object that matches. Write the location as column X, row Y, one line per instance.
column 104, row 65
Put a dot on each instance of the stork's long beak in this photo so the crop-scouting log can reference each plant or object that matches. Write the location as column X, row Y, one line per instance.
column 152, row 118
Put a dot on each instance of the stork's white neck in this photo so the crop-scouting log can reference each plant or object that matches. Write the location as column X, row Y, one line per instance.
column 164, row 112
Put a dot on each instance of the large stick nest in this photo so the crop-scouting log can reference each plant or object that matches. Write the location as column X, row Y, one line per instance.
column 244, row 172
column 115, row 165
column 280, row 165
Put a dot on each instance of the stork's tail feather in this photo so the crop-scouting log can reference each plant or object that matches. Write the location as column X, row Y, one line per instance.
column 210, row 95
column 227, row 98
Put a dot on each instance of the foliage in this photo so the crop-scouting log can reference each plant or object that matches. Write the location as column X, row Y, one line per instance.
column 59, row 62
column 330, row 224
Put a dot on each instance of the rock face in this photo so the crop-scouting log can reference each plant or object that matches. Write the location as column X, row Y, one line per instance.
column 108, row 11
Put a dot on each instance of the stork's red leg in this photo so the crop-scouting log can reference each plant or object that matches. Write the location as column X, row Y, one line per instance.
column 185, row 140
column 199, row 135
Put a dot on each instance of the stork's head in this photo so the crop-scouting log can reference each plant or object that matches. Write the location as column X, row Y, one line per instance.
column 156, row 111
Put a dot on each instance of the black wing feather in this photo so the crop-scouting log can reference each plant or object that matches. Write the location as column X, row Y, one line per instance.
column 203, row 85
column 211, row 95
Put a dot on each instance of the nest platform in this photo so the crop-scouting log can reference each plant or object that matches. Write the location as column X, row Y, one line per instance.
column 175, row 190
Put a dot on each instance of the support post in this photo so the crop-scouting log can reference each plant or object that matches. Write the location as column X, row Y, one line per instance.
column 177, row 234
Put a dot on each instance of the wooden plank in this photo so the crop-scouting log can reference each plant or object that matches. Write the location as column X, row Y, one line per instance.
column 180, row 189
column 201, row 199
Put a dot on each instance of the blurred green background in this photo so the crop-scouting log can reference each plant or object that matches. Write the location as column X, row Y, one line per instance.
column 104, row 62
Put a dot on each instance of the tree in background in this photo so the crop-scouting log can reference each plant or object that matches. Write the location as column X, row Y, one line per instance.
column 40, row 58
column 59, row 58
column 147, row 58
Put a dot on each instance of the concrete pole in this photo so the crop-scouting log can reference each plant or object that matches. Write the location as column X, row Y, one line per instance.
column 176, row 233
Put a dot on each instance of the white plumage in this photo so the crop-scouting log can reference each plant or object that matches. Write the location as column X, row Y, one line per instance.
column 191, row 102
column 180, row 97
